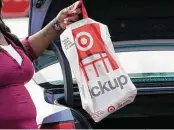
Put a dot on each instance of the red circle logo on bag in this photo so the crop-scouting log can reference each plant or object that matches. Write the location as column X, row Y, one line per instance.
column 84, row 41
column 111, row 109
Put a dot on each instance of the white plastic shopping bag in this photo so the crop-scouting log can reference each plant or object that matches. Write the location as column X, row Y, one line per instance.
column 103, row 84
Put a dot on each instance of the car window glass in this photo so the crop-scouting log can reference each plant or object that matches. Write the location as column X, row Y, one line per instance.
column 48, row 69
column 47, row 58
column 144, row 64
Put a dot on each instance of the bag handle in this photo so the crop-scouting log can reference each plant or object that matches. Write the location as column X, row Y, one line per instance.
column 83, row 9
column 84, row 12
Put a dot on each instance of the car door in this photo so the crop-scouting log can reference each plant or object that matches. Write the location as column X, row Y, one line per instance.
column 43, row 15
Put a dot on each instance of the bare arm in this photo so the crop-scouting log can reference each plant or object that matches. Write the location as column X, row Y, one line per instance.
column 41, row 40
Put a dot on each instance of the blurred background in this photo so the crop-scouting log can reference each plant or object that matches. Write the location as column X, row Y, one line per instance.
column 15, row 14
column 15, row 8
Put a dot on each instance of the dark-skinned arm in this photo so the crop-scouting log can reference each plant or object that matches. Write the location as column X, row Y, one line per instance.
column 41, row 40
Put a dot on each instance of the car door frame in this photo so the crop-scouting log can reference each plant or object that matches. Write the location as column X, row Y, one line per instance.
column 66, row 70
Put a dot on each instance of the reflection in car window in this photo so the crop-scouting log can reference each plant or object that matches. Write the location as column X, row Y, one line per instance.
column 140, row 65
column 148, row 65
column 46, row 59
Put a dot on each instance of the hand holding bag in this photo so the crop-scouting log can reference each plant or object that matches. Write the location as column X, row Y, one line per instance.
column 103, row 84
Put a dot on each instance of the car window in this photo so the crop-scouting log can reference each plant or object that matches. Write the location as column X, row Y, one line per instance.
column 145, row 64
column 151, row 65
column 48, row 69
column 140, row 65
column 46, row 59
column 52, row 75
column 142, row 22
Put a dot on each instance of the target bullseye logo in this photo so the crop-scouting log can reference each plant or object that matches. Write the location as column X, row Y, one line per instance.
column 111, row 109
column 84, row 41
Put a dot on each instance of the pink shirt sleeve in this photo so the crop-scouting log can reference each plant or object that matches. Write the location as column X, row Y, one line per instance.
column 29, row 50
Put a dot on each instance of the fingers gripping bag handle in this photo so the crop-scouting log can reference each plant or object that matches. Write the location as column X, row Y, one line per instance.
column 83, row 9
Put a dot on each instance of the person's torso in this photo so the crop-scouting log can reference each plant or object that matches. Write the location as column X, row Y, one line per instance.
column 16, row 107
column 15, row 66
